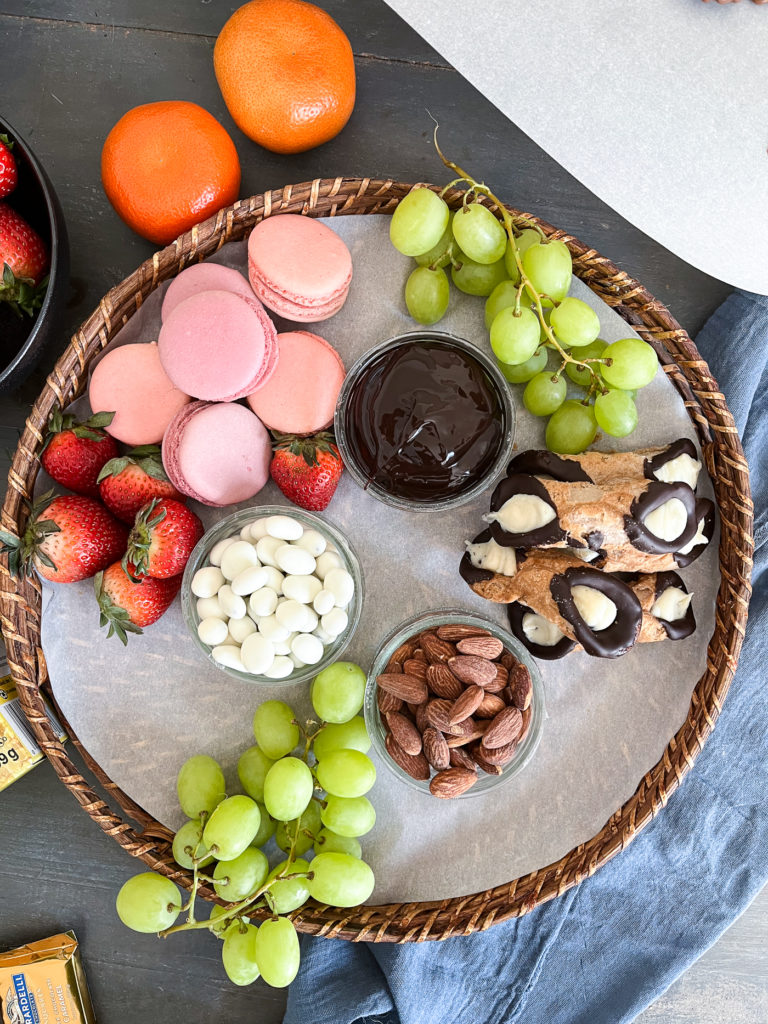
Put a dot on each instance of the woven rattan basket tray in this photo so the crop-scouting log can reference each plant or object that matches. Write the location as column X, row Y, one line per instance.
column 142, row 836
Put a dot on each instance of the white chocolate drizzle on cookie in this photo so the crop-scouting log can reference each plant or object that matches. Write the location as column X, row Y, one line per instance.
column 683, row 469
column 541, row 631
column 671, row 604
column 668, row 521
column 597, row 610
column 522, row 513
column 699, row 538
column 493, row 557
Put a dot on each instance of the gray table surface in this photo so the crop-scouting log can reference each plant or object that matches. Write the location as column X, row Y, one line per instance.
column 69, row 69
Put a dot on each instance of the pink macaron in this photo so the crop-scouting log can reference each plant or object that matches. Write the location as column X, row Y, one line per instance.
column 218, row 347
column 298, row 267
column 130, row 381
column 217, row 453
column 207, row 277
column 301, row 396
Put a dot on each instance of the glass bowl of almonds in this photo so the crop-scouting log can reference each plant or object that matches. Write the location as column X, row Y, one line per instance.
column 454, row 704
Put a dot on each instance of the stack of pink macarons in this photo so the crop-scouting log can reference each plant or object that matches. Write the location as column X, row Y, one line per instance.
column 217, row 345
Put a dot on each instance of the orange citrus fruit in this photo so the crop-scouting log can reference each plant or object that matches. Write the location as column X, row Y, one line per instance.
column 166, row 166
column 287, row 74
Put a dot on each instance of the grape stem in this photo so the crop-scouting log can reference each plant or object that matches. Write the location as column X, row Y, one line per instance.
column 525, row 281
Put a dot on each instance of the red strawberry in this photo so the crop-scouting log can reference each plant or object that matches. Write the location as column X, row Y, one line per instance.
column 129, row 482
column 9, row 174
column 161, row 541
column 66, row 539
column 306, row 469
column 75, row 453
column 24, row 261
column 126, row 604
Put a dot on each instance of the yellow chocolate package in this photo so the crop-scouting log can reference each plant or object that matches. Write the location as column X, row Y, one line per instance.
column 44, row 983
column 19, row 751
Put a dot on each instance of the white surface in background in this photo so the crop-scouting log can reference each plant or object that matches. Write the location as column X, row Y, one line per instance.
column 660, row 107
column 143, row 710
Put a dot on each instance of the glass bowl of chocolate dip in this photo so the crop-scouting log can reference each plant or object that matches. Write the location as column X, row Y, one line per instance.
column 425, row 421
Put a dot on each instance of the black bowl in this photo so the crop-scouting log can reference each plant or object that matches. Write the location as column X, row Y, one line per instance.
column 22, row 340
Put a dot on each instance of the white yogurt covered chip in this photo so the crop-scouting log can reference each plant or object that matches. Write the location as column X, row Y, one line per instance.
column 493, row 557
column 283, row 527
column 597, row 610
column 522, row 513
column 237, row 557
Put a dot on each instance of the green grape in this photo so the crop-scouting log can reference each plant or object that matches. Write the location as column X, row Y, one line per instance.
column 582, row 376
column 252, row 769
column 502, row 296
column 274, row 729
column 549, row 268
column 574, row 322
column 349, row 816
column 351, row 735
column 526, row 238
column 510, row 263
column 340, row 880
column 616, row 413
column 200, row 785
column 189, row 836
column 288, row 788
column 231, row 924
column 479, row 234
column 291, row 893
column 148, row 903
column 418, row 223
column 346, row 773
column 267, row 827
column 477, row 278
column 544, row 393
column 571, row 428
column 427, row 294
column 231, row 827
column 515, row 337
column 337, row 692
column 328, row 842
column 634, row 364
column 277, row 952
column 304, row 829
column 518, row 373
column 438, row 255
column 238, row 954
column 241, row 877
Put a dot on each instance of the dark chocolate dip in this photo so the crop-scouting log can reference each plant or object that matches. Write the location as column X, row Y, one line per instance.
column 424, row 421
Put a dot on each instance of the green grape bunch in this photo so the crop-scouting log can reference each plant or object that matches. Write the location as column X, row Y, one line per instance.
column 305, row 795
column 541, row 336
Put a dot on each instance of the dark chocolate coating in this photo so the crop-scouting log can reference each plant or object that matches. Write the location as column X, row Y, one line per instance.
column 683, row 446
column 507, row 488
column 680, row 628
column 705, row 510
column 425, row 421
column 654, row 495
column 594, row 539
column 515, row 613
column 539, row 462
column 617, row 638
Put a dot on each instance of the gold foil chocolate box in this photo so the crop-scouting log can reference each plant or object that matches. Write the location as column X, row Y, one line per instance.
column 44, row 983
column 19, row 751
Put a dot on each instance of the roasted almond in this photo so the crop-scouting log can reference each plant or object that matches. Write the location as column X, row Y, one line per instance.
column 481, row 762
column 443, row 682
column 393, row 666
column 405, row 732
column 419, row 655
column 472, row 670
column 404, row 651
column 452, row 782
column 504, row 728
column 460, row 632
column 407, row 688
column 490, row 705
column 508, row 660
column 481, row 646
column 502, row 678
column 498, row 755
column 466, row 705
column 436, row 749
column 387, row 701
column 527, row 716
column 459, row 758
column 436, row 649
column 520, row 686
column 421, row 717
column 414, row 667
column 438, row 714
column 469, row 733
column 414, row 765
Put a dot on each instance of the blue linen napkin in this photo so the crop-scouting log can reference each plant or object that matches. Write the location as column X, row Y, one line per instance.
column 605, row 950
